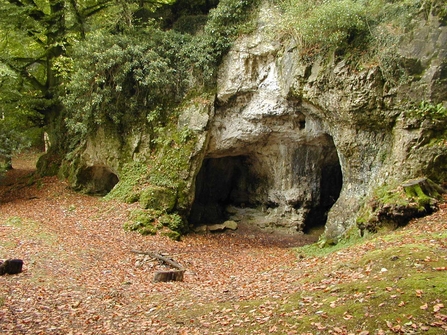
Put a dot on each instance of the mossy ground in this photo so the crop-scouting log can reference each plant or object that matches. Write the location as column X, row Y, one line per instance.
column 389, row 283
column 80, row 275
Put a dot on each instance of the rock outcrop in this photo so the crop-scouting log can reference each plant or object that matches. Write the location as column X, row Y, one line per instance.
column 300, row 142
column 289, row 144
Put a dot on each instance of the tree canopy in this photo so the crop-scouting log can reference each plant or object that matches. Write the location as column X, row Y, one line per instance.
column 63, row 61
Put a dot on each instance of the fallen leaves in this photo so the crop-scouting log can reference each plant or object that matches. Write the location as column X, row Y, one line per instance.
column 80, row 278
column 437, row 307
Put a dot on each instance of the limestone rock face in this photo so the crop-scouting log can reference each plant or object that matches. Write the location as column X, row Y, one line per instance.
column 294, row 144
column 288, row 144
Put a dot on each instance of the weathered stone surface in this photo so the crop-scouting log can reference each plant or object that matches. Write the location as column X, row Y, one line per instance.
column 292, row 127
column 289, row 144
column 229, row 224
column 397, row 206
column 159, row 198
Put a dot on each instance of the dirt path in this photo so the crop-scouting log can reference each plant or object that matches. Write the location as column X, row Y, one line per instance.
column 81, row 278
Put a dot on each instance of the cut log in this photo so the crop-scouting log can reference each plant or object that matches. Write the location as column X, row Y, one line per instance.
column 165, row 276
column 11, row 266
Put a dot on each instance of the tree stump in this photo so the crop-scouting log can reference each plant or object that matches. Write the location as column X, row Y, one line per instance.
column 11, row 266
column 422, row 188
column 165, row 276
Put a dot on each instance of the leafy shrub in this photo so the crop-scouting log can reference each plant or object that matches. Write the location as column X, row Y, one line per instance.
column 325, row 24
column 124, row 77
column 142, row 73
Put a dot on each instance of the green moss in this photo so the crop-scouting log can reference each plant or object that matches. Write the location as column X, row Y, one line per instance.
column 416, row 192
column 132, row 175
column 143, row 221
column 151, row 222
column 173, row 235
column 394, row 287
column 390, row 194
column 172, row 221
column 158, row 198
column 324, row 247
column 394, row 205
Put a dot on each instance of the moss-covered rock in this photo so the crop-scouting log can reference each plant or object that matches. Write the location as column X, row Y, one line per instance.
column 142, row 221
column 158, row 198
column 151, row 222
column 396, row 206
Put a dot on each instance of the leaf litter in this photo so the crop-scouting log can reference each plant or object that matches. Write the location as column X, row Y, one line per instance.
column 81, row 278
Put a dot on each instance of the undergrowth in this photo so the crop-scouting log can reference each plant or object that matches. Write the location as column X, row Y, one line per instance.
column 366, row 32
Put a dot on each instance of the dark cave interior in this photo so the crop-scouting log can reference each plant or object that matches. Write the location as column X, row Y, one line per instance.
column 233, row 180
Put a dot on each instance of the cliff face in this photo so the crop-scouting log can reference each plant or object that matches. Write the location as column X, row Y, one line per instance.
column 299, row 141
column 289, row 144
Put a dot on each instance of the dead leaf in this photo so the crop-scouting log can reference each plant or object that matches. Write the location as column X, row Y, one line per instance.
column 437, row 307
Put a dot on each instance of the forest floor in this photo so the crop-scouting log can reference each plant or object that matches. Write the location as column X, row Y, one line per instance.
column 80, row 276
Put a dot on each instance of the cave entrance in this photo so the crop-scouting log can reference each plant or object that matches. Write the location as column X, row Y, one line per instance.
column 221, row 182
column 97, row 180
column 285, row 188
column 331, row 182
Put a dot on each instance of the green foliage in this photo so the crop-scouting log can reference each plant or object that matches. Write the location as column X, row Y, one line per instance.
column 325, row 24
column 18, row 130
column 141, row 72
column 372, row 26
column 230, row 19
column 429, row 110
column 124, row 77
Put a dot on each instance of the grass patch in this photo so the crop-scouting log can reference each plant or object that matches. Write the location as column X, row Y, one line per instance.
column 323, row 248
column 25, row 227
column 386, row 284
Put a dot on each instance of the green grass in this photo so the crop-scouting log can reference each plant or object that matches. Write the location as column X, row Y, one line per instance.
column 394, row 283
column 30, row 228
